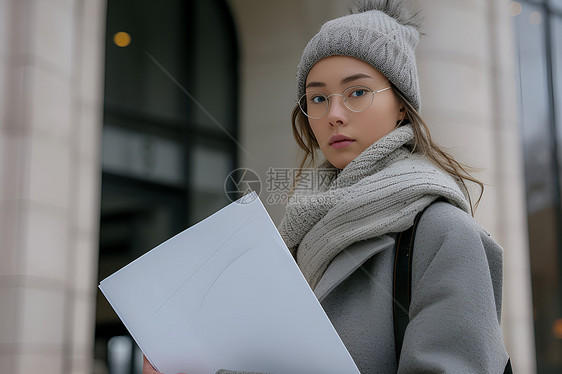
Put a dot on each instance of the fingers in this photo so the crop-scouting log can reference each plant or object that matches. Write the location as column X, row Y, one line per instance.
column 147, row 367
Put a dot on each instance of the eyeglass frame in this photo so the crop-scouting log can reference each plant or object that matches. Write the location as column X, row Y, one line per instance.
column 343, row 100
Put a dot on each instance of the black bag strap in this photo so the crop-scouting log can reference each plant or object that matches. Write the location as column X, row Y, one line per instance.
column 402, row 286
column 508, row 369
column 402, row 283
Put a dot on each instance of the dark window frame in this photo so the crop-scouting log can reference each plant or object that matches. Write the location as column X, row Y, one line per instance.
column 189, row 132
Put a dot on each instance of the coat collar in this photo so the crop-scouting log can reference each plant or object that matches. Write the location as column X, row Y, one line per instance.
column 349, row 260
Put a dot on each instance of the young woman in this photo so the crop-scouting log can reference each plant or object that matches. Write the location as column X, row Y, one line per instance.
column 358, row 104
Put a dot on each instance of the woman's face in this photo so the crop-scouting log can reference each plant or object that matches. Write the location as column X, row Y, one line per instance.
column 341, row 133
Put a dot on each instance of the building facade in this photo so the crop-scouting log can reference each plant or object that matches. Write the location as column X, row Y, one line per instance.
column 122, row 120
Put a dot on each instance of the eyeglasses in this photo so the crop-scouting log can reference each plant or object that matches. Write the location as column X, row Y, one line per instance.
column 355, row 98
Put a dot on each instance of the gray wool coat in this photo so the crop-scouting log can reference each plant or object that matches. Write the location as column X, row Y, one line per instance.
column 455, row 309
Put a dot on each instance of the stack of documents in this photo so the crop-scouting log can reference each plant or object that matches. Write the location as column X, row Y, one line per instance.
column 226, row 293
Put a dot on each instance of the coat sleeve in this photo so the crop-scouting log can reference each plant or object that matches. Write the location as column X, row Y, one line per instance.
column 456, row 298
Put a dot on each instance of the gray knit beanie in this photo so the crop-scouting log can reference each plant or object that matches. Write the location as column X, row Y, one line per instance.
column 383, row 33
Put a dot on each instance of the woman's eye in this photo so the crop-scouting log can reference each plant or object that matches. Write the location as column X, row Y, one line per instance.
column 358, row 93
column 317, row 99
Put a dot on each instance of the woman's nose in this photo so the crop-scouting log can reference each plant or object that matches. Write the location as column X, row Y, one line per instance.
column 337, row 111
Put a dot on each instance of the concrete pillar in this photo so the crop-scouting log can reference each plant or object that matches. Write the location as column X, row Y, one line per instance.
column 51, row 74
column 466, row 65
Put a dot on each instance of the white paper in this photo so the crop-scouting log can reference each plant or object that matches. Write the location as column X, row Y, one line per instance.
column 226, row 294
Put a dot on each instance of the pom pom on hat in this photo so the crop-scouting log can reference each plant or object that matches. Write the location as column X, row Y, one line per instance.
column 401, row 10
column 383, row 33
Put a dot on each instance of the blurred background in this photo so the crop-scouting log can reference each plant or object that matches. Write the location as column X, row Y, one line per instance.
column 121, row 121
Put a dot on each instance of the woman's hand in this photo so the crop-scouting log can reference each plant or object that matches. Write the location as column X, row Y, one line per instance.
column 147, row 367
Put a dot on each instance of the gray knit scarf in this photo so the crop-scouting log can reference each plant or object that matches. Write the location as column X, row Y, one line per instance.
column 379, row 192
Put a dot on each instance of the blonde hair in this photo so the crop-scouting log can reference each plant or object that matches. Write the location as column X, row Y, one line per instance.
column 422, row 144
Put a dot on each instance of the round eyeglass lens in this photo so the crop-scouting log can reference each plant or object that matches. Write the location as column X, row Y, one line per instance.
column 314, row 104
column 358, row 98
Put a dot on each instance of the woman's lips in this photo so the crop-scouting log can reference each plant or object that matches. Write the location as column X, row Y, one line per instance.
column 340, row 141
column 341, row 144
